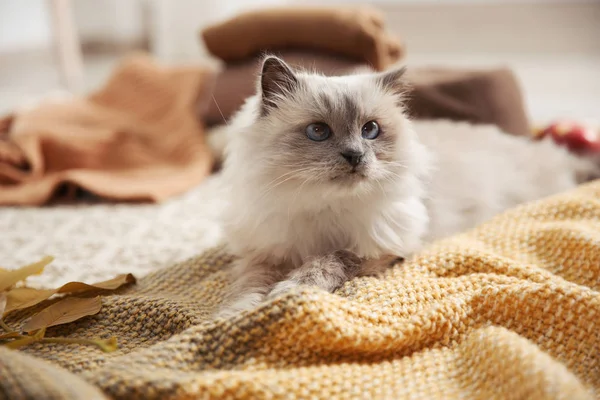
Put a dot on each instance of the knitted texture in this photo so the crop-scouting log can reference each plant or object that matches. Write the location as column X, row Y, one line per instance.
column 506, row 311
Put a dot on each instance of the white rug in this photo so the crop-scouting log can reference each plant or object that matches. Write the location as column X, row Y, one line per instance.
column 98, row 241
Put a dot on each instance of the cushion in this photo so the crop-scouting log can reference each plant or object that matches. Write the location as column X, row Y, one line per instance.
column 354, row 32
column 485, row 96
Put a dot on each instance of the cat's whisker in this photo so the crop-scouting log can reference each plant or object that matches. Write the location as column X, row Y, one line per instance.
column 296, row 169
column 278, row 183
column 279, row 177
column 284, row 165
column 394, row 163
column 395, row 175
column 383, row 190
column 295, row 197
column 288, row 176
column 220, row 112
column 271, row 187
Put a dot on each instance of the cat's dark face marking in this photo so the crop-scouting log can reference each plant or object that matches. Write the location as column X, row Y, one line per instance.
column 345, row 105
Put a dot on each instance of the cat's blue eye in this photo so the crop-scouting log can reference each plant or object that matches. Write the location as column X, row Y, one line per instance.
column 370, row 130
column 318, row 131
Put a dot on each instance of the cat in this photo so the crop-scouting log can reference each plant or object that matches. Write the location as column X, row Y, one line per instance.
column 329, row 178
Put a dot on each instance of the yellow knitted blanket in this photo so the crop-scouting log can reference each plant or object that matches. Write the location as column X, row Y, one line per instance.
column 509, row 310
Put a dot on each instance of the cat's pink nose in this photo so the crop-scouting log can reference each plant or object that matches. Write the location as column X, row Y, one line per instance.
column 353, row 157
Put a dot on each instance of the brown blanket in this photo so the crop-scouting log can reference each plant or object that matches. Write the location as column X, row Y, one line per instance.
column 354, row 32
column 138, row 138
column 480, row 96
column 486, row 96
column 509, row 310
column 335, row 41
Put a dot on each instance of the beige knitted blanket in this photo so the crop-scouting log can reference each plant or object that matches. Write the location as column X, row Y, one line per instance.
column 509, row 310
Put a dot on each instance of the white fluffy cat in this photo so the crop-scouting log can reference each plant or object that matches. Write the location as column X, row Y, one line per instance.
column 327, row 176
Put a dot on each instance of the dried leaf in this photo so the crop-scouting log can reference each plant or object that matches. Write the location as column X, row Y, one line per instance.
column 26, row 340
column 107, row 346
column 10, row 335
column 9, row 277
column 3, row 325
column 19, row 298
column 67, row 310
column 3, row 302
column 111, row 284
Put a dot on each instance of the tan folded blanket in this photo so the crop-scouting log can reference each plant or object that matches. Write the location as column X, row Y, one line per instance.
column 354, row 32
column 138, row 138
column 509, row 310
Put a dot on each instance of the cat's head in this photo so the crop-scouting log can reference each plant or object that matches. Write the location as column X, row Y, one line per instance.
column 344, row 134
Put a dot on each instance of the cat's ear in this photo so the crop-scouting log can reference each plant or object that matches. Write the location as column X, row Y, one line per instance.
column 393, row 81
column 276, row 81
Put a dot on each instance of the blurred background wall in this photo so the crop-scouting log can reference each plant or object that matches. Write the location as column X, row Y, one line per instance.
column 553, row 45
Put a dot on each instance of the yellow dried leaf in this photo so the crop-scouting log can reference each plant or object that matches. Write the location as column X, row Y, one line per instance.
column 10, row 335
column 111, row 284
column 26, row 340
column 9, row 277
column 3, row 302
column 19, row 298
column 3, row 325
column 108, row 345
column 67, row 310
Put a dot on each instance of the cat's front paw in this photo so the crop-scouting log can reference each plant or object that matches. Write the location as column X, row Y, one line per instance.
column 327, row 272
column 350, row 262
column 282, row 288
column 246, row 302
column 375, row 266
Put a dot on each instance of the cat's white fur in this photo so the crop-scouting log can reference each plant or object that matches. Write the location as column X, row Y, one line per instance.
column 481, row 171
column 267, row 219
column 450, row 180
